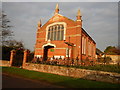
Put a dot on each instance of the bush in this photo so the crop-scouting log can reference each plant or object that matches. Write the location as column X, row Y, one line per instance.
column 105, row 60
column 6, row 52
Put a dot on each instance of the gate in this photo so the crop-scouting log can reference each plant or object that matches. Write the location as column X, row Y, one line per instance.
column 18, row 59
column 30, row 57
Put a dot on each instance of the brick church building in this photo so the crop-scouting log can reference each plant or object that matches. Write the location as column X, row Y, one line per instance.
column 61, row 37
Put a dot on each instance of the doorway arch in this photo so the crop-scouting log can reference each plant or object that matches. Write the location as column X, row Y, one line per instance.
column 46, row 47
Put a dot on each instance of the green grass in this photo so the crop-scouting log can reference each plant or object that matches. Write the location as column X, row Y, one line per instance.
column 57, row 79
column 107, row 68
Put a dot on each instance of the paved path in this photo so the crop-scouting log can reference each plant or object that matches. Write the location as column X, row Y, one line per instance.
column 9, row 81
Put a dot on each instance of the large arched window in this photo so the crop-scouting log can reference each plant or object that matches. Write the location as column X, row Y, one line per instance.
column 55, row 32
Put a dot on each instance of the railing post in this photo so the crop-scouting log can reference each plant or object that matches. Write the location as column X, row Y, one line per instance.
column 25, row 57
column 12, row 56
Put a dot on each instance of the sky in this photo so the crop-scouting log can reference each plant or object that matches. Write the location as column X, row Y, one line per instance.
column 60, row 0
column 100, row 19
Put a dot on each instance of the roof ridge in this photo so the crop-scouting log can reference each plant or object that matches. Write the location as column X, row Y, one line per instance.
column 59, row 15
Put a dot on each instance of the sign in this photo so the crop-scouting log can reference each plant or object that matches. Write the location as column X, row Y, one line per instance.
column 52, row 50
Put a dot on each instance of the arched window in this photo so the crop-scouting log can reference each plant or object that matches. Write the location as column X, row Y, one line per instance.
column 55, row 32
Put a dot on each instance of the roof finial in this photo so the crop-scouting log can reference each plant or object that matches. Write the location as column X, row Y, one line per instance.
column 57, row 8
column 39, row 23
column 78, row 13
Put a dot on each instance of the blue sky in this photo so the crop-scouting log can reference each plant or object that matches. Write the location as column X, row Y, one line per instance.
column 100, row 19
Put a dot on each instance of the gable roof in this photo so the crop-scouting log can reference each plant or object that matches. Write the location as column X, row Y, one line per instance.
column 55, row 16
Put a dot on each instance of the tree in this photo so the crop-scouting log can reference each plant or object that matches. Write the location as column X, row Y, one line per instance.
column 112, row 50
column 8, row 43
column 5, row 28
column 11, row 44
column 14, row 44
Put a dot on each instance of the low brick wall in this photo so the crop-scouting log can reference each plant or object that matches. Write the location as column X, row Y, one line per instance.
column 4, row 63
column 75, row 72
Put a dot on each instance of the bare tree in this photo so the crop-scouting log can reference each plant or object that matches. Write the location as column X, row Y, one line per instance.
column 5, row 28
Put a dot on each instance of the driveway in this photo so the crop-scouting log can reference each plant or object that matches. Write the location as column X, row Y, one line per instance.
column 9, row 81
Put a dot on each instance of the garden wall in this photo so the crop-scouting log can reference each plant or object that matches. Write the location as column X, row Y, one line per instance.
column 4, row 63
column 115, row 58
column 75, row 72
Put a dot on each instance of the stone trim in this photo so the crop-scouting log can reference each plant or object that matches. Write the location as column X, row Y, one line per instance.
column 40, row 38
column 60, row 48
column 55, row 48
column 79, row 20
column 58, row 56
column 38, row 56
column 73, row 35
column 49, row 44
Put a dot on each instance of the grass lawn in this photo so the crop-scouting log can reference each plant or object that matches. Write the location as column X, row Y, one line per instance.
column 57, row 79
column 106, row 68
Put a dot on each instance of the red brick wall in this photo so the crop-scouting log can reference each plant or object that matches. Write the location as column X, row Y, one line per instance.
column 73, row 30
